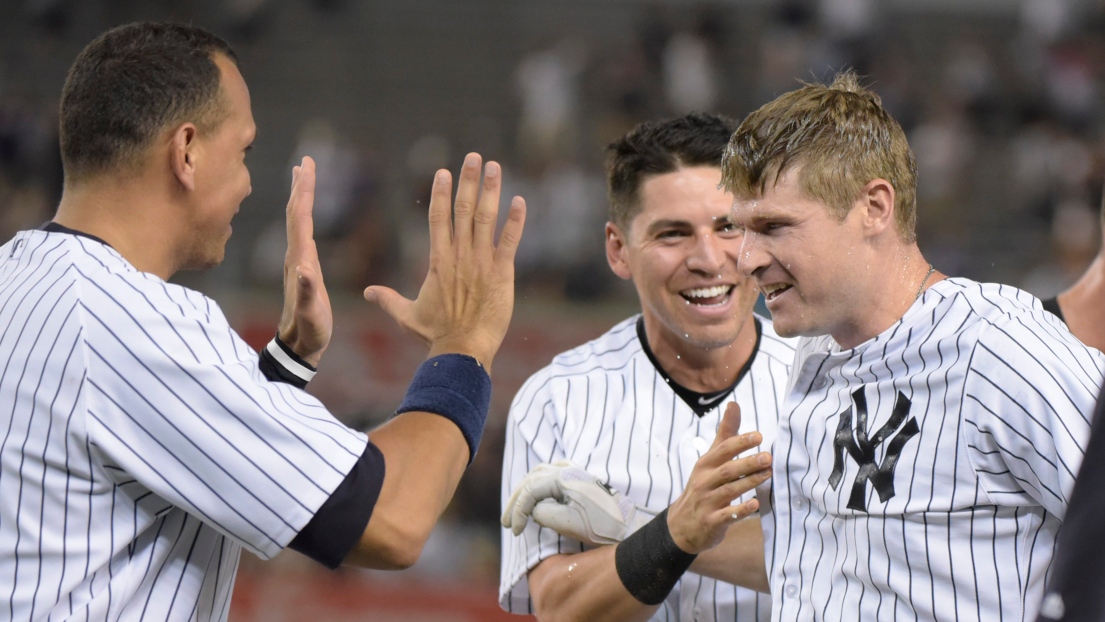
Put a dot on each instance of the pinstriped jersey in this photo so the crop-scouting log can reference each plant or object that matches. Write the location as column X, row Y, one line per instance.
column 607, row 408
column 923, row 474
column 140, row 446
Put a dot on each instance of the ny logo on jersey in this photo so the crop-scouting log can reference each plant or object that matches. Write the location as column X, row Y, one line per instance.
column 862, row 449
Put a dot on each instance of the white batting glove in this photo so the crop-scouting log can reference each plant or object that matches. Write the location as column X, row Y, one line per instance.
column 574, row 503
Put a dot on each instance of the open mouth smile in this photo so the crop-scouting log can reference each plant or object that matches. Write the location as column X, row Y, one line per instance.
column 773, row 291
column 713, row 296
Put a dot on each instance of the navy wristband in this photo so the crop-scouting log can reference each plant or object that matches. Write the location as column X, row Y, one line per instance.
column 456, row 387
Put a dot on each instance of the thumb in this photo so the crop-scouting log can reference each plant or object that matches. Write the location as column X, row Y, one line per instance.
column 730, row 423
column 389, row 300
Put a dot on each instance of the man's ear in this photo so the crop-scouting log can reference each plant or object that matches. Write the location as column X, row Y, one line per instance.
column 616, row 244
column 877, row 202
column 183, row 151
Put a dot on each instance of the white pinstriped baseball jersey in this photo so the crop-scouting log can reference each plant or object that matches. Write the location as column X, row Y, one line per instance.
column 605, row 407
column 922, row 475
column 140, row 446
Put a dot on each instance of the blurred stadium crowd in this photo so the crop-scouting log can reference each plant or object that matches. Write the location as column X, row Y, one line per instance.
column 1002, row 100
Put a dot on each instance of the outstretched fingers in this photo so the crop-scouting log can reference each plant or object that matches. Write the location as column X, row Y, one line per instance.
column 511, row 234
column 300, row 217
column 441, row 213
column 464, row 209
column 487, row 209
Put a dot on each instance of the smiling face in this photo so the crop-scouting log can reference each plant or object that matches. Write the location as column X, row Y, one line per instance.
column 809, row 263
column 222, row 179
column 681, row 253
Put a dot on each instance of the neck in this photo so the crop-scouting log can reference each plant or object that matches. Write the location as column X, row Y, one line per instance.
column 885, row 297
column 130, row 214
column 702, row 369
column 1083, row 305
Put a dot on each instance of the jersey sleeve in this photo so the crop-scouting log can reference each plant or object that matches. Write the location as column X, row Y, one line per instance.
column 177, row 402
column 1028, row 401
column 533, row 436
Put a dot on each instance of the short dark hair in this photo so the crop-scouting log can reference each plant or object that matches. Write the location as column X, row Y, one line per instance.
column 659, row 147
column 131, row 83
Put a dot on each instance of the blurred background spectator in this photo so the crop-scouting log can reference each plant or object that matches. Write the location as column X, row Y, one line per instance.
column 1002, row 101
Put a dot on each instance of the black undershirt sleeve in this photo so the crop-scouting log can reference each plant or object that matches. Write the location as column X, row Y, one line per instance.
column 339, row 524
column 1052, row 305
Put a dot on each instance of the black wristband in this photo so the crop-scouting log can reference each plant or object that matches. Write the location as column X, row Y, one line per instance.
column 649, row 563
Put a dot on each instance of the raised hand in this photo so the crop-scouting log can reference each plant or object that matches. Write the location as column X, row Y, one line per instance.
column 467, row 299
column 307, row 322
column 699, row 518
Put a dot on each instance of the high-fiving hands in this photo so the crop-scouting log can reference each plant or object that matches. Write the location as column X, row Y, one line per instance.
column 465, row 303
column 307, row 322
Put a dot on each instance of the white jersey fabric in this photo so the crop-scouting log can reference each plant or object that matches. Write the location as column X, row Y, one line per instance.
column 140, row 446
column 605, row 407
column 923, row 474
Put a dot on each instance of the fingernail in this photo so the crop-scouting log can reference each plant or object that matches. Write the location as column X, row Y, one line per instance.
column 442, row 177
column 491, row 170
column 763, row 459
column 471, row 160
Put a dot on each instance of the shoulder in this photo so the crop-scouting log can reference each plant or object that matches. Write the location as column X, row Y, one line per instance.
column 610, row 353
column 1014, row 332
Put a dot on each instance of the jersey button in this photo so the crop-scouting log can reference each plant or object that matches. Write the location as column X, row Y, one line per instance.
column 799, row 504
column 821, row 383
column 791, row 590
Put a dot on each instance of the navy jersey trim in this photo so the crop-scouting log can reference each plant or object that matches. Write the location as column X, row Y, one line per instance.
column 700, row 403
column 53, row 227
column 338, row 525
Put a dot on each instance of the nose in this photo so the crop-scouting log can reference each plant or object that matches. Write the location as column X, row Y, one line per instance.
column 708, row 255
column 752, row 257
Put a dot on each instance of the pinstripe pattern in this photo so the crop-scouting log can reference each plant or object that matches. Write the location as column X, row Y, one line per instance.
column 1002, row 394
column 140, row 446
column 605, row 406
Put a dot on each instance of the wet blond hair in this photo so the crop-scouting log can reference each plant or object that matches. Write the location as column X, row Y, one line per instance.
column 838, row 136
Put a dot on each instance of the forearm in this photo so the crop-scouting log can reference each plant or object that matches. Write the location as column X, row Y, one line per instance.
column 583, row 586
column 739, row 559
column 425, row 456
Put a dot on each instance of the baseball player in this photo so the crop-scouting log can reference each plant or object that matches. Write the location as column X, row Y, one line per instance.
column 144, row 444
column 1082, row 305
column 638, row 407
column 932, row 427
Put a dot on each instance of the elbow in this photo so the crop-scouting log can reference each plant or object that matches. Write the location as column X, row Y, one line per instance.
column 391, row 544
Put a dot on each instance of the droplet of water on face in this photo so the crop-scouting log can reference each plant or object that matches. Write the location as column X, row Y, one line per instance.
column 686, row 335
column 678, row 357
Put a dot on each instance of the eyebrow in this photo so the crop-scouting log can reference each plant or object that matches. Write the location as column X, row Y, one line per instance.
column 667, row 223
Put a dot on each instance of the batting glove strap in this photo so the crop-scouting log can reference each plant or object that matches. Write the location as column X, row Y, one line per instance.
column 649, row 563
column 455, row 386
column 280, row 364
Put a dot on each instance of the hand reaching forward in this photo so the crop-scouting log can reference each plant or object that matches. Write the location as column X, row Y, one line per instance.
column 700, row 516
column 467, row 299
column 307, row 322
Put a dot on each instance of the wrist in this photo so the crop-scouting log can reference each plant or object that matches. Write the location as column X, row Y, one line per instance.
column 290, row 339
column 464, row 347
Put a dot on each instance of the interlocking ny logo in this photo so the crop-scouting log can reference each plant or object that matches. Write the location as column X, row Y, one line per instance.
column 862, row 449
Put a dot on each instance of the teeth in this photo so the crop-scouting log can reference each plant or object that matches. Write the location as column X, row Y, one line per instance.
column 771, row 289
column 706, row 292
